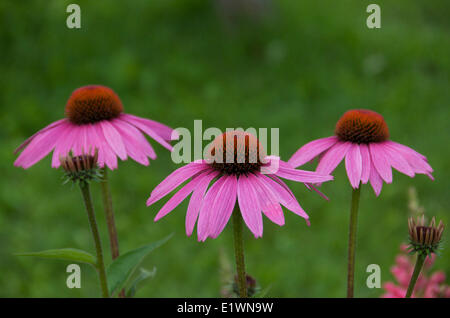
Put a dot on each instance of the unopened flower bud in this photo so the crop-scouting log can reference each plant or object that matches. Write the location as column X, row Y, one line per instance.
column 81, row 169
column 424, row 239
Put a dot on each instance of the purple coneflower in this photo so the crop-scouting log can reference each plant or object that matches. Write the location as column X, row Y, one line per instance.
column 239, row 170
column 95, row 120
column 362, row 138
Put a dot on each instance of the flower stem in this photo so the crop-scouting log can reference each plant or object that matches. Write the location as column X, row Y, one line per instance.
column 239, row 253
column 109, row 213
column 94, row 229
column 419, row 263
column 110, row 220
column 352, row 241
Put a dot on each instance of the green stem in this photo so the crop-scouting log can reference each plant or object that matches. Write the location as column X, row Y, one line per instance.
column 239, row 253
column 352, row 241
column 95, row 233
column 109, row 213
column 419, row 263
column 110, row 220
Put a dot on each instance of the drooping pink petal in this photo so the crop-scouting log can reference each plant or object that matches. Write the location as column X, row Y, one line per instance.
column 39, row 147
column 162, row 130
column 284, row 185
column 375, row 180
column 29, row 139
column 311, row 150
column 108, row 154
column 80, row 144
column 397, row 161
column 146, row 129
column 114, row 139
column 179, row 196
column 136, row 145
column 332, row 157
column 380, row 162
column 405, row 149
column 268, row 201
column 310, row 187
column 417, row 161
column 365, row 163
column 287, row 172
column 205, row 215
column 223, row 206
column 196, row 201
column 63, row 144
column 140, row 139
column 353, row 165
column 284, row 194
column 249, row 206
column 175, row 179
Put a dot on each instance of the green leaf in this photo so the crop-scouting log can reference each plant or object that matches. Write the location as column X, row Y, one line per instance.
column 123, row 267
column 68, row 254
column 143, row 275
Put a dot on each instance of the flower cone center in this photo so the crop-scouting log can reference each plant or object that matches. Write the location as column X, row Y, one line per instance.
column 90, row 104
column 362, row 126
column 236, row 153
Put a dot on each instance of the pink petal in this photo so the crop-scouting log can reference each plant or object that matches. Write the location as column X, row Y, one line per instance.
column 284, row 195
column 107, row 153
column 310, row 187
column 287, row 172
column 175, row 179
column 39, row 147
column 178, row 197
column 353, row 165
column 204, row 219
column 380, row 162
column 332, row 157
column 223, row 206
column 268, row 201
column 375, row 180
column 79, row 146
column 139, row 139
column 136, row 145
column 417, row 161
column 196, row 201
column 249, row 206
column 311, row 150
column 63, row 144
column 146, row 129
column 397, row 161
column 365, row 163
column 29, row 139
column 162, row 130
column 114, row 139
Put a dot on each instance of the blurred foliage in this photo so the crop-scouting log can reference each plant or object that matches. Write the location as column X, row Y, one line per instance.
column 297, row 65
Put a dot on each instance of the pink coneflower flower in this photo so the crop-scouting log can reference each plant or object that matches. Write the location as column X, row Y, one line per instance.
column 239, row 171
column 362, row 138
column 95, row 120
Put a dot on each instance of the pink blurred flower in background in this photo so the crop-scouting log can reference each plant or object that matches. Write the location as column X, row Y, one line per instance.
column 429, row 285
column 95, row 120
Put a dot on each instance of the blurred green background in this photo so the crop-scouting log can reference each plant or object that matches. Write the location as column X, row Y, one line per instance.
column 296, row 65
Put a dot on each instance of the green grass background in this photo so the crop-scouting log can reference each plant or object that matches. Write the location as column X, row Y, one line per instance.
column 299, row 69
